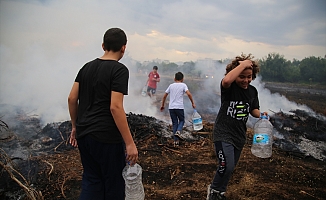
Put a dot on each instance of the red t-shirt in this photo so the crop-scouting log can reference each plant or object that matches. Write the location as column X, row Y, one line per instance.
column 151, row 82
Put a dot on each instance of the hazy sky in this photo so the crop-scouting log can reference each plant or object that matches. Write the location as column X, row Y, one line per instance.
column 44, row 43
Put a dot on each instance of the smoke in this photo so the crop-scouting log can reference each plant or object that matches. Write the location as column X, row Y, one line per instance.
column 275, row 102
column 210, row 96
column 268, row 101
column 134, row 101
column 39, row 83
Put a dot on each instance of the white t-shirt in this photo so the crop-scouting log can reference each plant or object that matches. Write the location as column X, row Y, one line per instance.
column 176, row 91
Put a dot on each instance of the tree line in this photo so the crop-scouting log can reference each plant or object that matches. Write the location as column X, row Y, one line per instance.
column 274, row 67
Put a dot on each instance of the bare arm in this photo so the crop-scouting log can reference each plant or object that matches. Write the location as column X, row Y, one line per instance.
column 234, row 73
column 255, row 113
column 191, row 99
column 146, row 84
column 120, row 120
column 73, row 108
column 163, row 101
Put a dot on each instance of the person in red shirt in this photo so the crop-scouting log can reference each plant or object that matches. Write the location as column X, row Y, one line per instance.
column 153, row 78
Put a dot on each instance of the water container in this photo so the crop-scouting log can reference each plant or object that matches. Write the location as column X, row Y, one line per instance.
column 197, row 121
column 134, row 188
column 263, row 139
column 144, row 91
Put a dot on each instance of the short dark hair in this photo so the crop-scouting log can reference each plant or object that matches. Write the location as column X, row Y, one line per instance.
column 178, row 76
column 114, row 39
column 155, row 67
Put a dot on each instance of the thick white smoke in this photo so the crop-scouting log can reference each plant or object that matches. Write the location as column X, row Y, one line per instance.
column 39, row 83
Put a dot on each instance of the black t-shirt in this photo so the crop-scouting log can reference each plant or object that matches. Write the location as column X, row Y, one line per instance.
column 236, row 105
column 97, row 79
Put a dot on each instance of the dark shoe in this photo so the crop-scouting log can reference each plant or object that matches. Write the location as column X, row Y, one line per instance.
column 178, row 135
column 214, row 194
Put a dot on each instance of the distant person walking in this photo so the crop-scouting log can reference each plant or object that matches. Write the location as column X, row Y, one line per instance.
column 238, row 100
column 176, row 106
column 153, row 79
column 99, row 123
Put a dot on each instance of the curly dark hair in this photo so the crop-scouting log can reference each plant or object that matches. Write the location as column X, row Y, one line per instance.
column 234, row 63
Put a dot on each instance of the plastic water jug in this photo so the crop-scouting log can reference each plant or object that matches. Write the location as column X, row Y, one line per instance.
column 134, row 188
column 144, row 91
column 197, row 121
column 262, row 141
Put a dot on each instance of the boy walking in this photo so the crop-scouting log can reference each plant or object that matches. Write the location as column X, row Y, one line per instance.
column 99, row 124
column 153, row 79
column 176, row 107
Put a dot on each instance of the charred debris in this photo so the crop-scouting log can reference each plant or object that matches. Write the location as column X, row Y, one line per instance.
column 26, row 138
column 300, row 133
column 22, row 144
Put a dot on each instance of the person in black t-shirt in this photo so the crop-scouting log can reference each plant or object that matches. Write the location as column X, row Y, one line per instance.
column 99, row 124
column 238, row 100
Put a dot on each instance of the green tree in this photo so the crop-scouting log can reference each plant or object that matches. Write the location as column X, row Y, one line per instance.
column 292, row 73
column 188, row 68
column 169, row 68
column 273, row 67
column 313, row 69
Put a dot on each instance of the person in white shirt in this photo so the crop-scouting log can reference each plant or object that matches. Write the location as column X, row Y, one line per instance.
column 176, row 107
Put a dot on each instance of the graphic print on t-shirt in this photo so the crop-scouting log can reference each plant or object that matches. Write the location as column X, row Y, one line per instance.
column 238, row 110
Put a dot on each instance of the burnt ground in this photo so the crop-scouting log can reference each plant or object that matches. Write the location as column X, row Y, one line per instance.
column 176, row 173
column 184, row 173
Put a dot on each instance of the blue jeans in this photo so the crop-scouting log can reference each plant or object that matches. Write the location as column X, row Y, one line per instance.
column 178, row 120
column 228, row 157
column 103, row 164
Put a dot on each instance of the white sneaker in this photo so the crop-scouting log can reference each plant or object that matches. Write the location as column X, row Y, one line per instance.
column 176, row 143
column 214, row 194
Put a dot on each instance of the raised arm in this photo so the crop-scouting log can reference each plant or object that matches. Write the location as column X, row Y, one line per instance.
column 234, row 73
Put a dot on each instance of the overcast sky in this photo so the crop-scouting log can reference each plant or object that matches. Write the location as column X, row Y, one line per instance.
column 175, row 30
column 44, row 43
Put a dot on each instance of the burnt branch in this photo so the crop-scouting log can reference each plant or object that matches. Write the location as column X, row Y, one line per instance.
column 7, row 165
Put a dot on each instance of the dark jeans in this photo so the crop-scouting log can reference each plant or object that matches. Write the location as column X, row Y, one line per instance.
column 228, row 157
column 103, row 164
column 178, row 120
